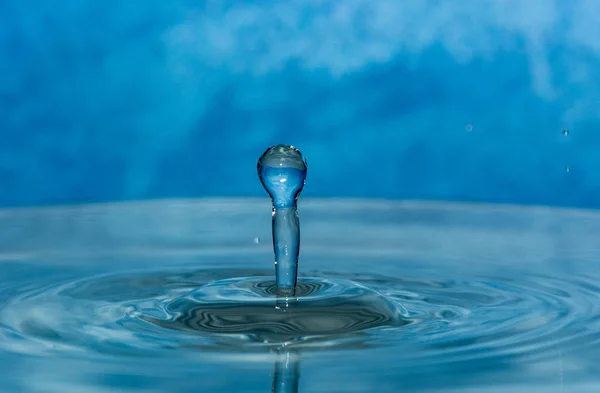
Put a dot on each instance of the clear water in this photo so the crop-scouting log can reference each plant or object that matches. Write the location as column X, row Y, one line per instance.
column 282, row 172
column 171, row 296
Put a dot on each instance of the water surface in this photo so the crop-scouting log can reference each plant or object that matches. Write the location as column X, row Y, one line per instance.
column 177, row 296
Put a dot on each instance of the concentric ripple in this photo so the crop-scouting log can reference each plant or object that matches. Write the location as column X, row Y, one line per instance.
column 422, row 296
column 141, row 310
column 323, row 310
column 134, row 313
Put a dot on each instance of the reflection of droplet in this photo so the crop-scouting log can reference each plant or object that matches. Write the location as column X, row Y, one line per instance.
column 566, row 132
column 257, row 240
column 469, row 127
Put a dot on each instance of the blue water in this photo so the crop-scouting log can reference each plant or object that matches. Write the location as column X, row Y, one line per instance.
column 173, row 296
column 282, row 172
column 150, row 101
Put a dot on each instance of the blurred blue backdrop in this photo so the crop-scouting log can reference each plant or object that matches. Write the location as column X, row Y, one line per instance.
column 451, row 100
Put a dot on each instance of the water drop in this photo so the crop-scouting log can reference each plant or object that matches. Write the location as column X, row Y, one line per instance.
column 567, row 169
column 565, row 132
column 469, row 127
column 257, row 240
column 282, row 172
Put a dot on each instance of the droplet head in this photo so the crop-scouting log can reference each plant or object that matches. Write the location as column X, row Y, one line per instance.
column 282, row 172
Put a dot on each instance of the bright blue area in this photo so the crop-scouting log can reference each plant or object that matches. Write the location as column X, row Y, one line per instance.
column 282, row 184
column 441, row 100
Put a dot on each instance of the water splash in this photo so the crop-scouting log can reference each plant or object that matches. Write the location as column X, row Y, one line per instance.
column 282, row 172
column 323, row 311
column 108, row 309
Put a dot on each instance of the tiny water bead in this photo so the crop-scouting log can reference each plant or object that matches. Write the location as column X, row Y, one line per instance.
column 565, row 132
column 282, row 172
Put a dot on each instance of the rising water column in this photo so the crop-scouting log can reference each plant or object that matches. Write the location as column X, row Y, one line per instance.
column 282, row 172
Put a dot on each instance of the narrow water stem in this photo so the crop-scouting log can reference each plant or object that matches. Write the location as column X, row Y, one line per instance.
column 286, row 245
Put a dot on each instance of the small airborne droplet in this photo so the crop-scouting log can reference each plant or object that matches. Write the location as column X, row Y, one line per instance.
column 565, row 132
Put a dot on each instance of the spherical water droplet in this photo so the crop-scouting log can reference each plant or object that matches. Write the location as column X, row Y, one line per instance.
column 565, row 132
column 282, row 172
column 257, row 240
column 469, row 127
column 567, row 169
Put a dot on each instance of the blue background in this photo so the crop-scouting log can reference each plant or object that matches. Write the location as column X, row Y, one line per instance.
column 446, row 100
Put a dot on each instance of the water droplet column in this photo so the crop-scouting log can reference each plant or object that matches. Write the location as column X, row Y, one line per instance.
column 282, row 172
